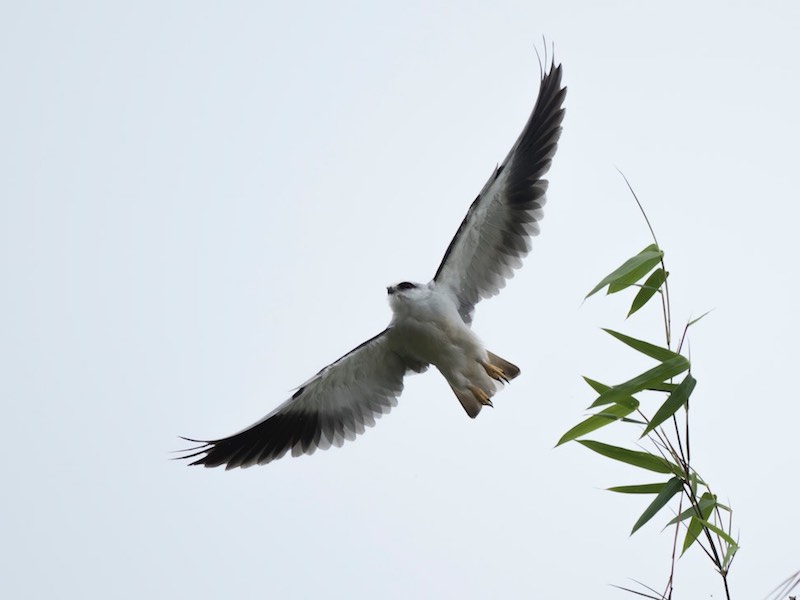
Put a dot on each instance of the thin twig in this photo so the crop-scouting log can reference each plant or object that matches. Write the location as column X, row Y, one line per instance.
column 785, row 586
column 665, row 297
column 678, row 438
column 659, row 597
column 668, row 591
column 635, row 197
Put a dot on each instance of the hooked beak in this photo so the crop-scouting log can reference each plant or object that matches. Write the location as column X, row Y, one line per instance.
column 390, row 290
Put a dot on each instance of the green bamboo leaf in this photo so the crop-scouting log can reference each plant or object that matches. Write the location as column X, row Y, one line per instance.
column 634, row 421
column 693, row 321
column 672, row 487
column 692, row 533
column 666, row 370
column 732, row 549
column 695, row 528
column 601, row 388
column 649, row 288
column 601, row 419
column 645, row 488
column 643, row 460
column 664, row 386
column 596, row 385
column 621, row 399
column 648, row 257
column 675, row 401
column 646, row 348
column 703, row 503
column 725, row 536
column 636, row 273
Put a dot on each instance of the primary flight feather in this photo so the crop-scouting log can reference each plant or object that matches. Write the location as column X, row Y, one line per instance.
column 431, row 323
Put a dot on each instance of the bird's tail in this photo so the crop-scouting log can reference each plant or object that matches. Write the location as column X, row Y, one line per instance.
column 474, row 398
column 469, row 400
column 510, row 370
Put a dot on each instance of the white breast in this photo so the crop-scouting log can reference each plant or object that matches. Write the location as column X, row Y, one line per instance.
column 427, row 327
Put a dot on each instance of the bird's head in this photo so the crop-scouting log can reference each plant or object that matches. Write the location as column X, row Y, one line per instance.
column 403, row 289
column 405, row 293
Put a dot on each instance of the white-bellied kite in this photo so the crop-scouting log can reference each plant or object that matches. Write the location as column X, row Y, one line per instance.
column 431, row 322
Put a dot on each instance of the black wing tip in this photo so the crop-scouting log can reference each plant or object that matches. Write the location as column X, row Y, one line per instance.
column 211, row 453
column 546, row 69
column 550, row 89
column 289, row 433
column 203, row 447
column 530, row 157
column 218, row 453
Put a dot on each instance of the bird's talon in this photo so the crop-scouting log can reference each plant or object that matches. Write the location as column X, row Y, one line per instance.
column 480, row 395
column 494, row 372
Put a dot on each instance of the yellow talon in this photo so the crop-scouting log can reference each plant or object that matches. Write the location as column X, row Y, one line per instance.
column 480, row 395
column 494, row 372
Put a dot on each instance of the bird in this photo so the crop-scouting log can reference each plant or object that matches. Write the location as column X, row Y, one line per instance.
column 431, row 322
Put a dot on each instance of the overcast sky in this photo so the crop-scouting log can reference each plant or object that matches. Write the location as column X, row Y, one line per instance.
column 201, row 204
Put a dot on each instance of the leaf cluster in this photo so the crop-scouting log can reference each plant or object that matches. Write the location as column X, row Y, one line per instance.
column 657, row 424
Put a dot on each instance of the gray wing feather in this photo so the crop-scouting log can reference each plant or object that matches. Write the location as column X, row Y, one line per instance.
column 335, row 405
column 495, row 235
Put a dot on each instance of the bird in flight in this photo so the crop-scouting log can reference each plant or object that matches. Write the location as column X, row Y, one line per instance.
column 431, row 322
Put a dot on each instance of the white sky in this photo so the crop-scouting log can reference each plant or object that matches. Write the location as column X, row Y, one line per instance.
column 201, row 204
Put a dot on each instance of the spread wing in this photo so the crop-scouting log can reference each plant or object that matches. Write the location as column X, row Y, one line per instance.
column 335, row 405
column 495, row 235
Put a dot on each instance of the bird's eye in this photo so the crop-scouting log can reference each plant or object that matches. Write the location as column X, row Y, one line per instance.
column 405, row 286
